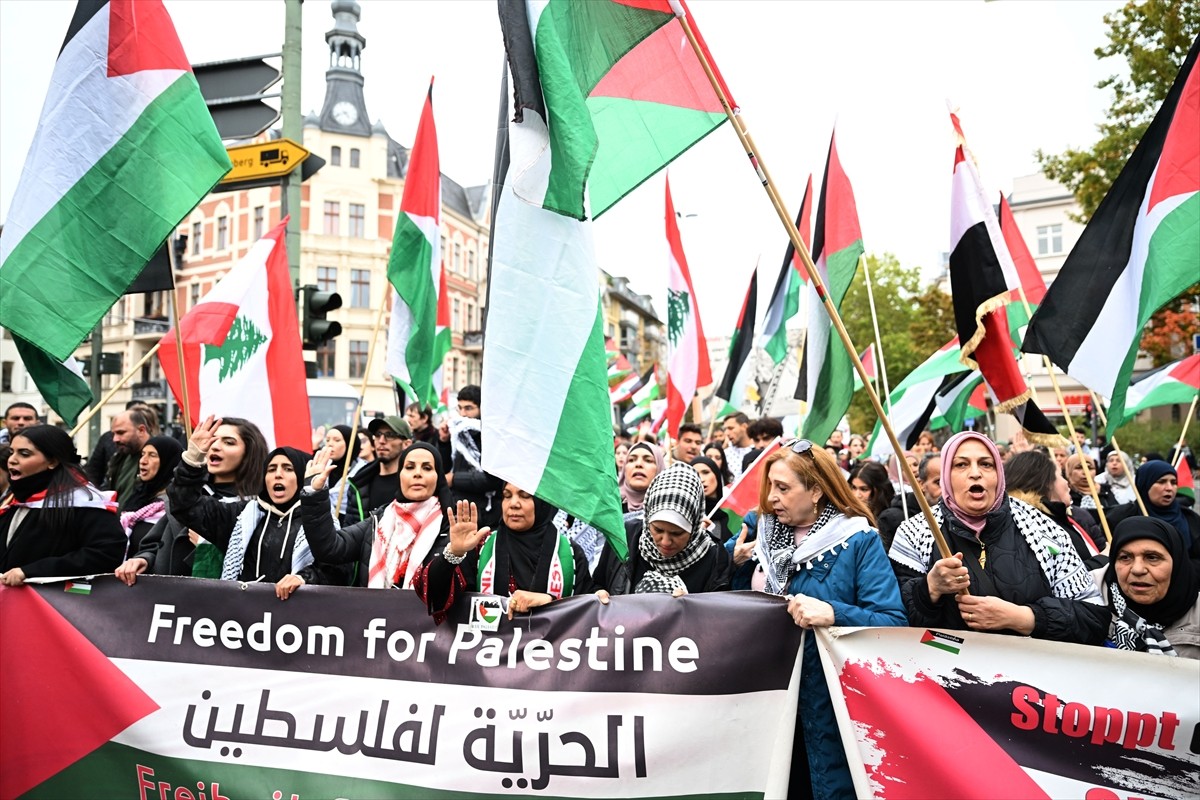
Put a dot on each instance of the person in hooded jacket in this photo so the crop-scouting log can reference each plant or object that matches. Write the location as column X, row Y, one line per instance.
column 147, row 503
column 1023, row 573
column 390, row 545
column 263, row 538
column 54, row 522
column 527, row 559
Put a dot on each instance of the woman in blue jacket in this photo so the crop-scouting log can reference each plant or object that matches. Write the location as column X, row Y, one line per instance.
column 817, row 545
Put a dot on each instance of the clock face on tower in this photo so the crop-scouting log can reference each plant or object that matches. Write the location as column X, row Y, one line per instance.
column 345, row 113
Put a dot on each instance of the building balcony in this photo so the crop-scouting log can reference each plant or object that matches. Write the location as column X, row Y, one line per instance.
column 144, row 327
column 472, row 341
column 150, row 391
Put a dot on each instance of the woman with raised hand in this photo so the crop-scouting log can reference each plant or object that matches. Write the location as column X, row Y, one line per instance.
column 388, row 547
column 1022, row 571
column 1152, row 591
column 817, row 546
column 262, row 539
column 526, row 559
column 669, row 552
column 234, row 464
column 54, row 522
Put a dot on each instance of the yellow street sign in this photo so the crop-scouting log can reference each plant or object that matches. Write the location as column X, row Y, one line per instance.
column 263, row 160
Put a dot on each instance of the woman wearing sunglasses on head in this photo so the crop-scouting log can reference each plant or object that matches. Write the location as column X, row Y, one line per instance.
column 817, row 544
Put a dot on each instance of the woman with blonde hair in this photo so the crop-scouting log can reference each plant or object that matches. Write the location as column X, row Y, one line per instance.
column 817, row 545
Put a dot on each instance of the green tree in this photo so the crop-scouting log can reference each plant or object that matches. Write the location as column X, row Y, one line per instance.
column 1153, row 38
column 913, row 323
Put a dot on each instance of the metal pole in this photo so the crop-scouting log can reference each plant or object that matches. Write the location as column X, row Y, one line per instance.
column 97, row 351
column 292, row 129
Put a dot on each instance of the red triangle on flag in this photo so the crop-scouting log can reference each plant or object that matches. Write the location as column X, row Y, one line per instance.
column 63, row 697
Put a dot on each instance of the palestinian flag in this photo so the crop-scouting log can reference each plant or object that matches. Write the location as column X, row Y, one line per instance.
column 1187, row 484
column 912, row 401
column 419, row 333
column 607, row 93
column 60, row 383
column 1028, row 274
column 785, row 297
column 124, row 149
column 1138, row 252
column 827, row 376
column 867, row 357
column 688, row 368
column 982, row 279
column 242, row 349
column 644, row 398
column 742, row 497
column 739, row 373
column 548, row 420
column 627, row 390
column 1174, row 383
column 962, row 397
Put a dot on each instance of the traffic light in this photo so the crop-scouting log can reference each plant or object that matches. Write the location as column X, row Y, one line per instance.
column 315, row 329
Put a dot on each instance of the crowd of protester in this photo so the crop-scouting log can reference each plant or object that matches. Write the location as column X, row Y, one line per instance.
column 406, row 505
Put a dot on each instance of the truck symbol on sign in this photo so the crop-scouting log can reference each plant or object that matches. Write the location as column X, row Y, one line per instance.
column 275, row 155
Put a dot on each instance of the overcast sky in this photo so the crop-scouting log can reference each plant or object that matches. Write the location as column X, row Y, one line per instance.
column 1022, row 73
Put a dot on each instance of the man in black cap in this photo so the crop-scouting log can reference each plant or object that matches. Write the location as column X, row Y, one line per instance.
column 379, row 480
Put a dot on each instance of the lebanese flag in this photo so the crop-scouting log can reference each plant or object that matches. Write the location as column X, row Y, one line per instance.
column 419, row 332
column 688, row 367
column 1028, row 274
column 242, row 349
column 785, row 297
column 1138, row 252
column 1175, row 383
column 982, row 276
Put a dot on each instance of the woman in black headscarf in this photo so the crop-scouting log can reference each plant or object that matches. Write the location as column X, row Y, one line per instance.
column 714, row 490
column 1152, row 590
column 147, row 502
column 526, row 560
column 1158, row 484
column 387, row 549
column 54, row 522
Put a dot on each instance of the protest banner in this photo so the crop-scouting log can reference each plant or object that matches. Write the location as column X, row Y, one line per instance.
column 186, row 689
column 956, row 714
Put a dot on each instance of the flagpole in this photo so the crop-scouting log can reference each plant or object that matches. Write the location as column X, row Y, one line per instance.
column 1117, row 449
column 362, row 393
column 883, row 376
column 91, row 412
column 1183, row 433
column 813, row 275
column 183, row 392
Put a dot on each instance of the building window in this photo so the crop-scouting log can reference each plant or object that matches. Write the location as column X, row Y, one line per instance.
column 455, row 314
column 358, row 359
column 471, row 264
column 354, row 157
column 358, row 219
column 222, row 233
column 6, row 373
column 259, row 219
column 457, row 257
column 443, row 251
column 326, row 360
column 195, row 298
column 1049, row 239
column 454, row 371
column 327, row 279
column 197, row 235
column 360, row 288
column 333, row 214
column 335, row 156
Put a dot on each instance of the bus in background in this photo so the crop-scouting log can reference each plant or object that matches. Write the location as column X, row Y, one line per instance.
column 333, row 403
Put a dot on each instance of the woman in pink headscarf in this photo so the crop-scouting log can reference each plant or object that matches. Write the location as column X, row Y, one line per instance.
column 1022, row 572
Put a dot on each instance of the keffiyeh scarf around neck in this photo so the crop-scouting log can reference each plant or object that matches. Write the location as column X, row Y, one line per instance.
column 664, row 573
column 259, row 512
column 1131, row 632
column 402, row 539
column 782, row 558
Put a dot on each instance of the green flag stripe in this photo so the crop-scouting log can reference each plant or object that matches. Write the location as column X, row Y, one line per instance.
column 112, row 220
column 409, row 271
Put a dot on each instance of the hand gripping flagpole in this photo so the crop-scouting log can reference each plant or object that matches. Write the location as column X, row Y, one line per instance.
column 1183, row 433
column 813, row 276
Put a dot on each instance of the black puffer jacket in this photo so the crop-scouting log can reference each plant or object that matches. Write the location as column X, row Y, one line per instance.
column 1011, row 571
column 711, row 574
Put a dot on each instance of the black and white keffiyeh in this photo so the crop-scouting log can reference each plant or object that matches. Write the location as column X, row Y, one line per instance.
column 678, row 489
column 1130, row 632
column 782, row 558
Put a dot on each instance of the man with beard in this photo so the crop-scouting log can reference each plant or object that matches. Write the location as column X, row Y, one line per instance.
column 130, row 431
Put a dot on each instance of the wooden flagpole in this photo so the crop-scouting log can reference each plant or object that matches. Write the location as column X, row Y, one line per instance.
column 887, row 389
column 91, row 412
column 183, row 390
column 362, row 393
column 806, row 259
column 1183, row 433
column 1117, row 449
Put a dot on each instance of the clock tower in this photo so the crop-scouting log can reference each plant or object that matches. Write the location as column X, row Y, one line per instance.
column 345, row 111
